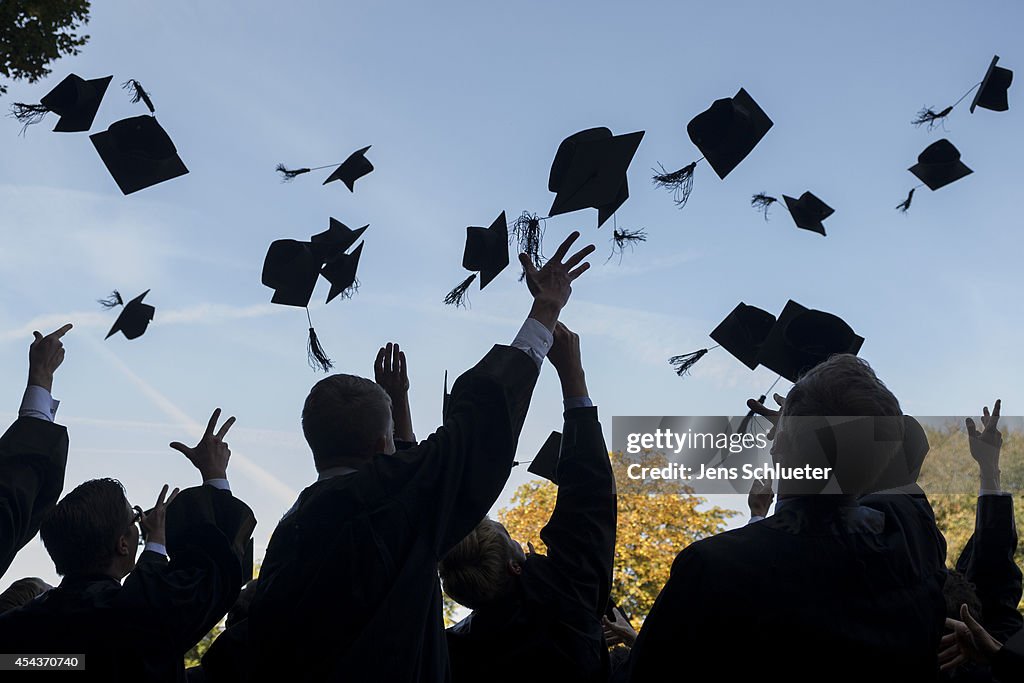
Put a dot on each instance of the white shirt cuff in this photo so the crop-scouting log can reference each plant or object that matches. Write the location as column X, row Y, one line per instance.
column 755, row 518
column 534, row 340
column 993, row 492
column 156, row 548
column 577, row 402
column 218, row 484
column 38, row 403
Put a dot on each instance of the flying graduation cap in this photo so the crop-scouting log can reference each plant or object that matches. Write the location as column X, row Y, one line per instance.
column 741, row 334
column 545, row 463
column 802, row 338
column 937, row 166
column 991, row 94
column 486, row 253
column 725, row 134
column 589, row 172
column 292, row 267
column 808, row 211
column 75, row 100
column 134, row 318
column 137, row 151
column 348, row 171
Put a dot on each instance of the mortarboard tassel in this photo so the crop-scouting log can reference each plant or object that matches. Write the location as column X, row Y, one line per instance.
column 686, row 361
column 350, row 291
column 680, row 182
column 28, row 114
column 138, row 93
column 528, row 233
column 762, row 202
column 288, row 174
column 745, row 423
column 930, row 117
column 316, row 354
column 624, row 237
column 903, row 206
column 111, row 301
column 458, row 295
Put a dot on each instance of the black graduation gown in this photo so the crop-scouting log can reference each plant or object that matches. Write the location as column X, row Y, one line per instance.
column 551, row 625
column 140, row 630
column 348, row 589
column 33, row 455
column 817, row 592
column 987, row 562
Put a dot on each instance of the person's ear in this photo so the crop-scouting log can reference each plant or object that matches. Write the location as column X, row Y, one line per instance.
column 385, row 444
column 514, row 567
column 125, row 545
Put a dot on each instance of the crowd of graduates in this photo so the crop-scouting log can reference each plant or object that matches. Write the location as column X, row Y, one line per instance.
column 831, row 586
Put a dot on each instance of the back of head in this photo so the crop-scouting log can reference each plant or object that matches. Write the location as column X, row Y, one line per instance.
column 344, row 417
column 82, row 530
column 819, row 425
column 21, row 592
column 957, row 591
column 475, row 572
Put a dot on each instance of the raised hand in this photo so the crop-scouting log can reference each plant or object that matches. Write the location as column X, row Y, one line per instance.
column 210, row 456
column 565, row 356
column 968, row 641
column 552, row 284
column 619, row 631
column 768, row 413
column 760, row 497
column 153, row 522
column 389, row 370
column 985, row 445
column 44, row 357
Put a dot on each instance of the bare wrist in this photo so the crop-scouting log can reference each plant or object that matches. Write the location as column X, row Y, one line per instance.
column 43, row 380
column 545, row 312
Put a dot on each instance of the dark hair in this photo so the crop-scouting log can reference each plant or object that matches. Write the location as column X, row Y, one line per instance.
column 957, row 590
column 344, row 415
column 81, row 531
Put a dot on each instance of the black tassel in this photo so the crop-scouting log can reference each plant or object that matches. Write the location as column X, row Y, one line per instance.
column 686, row 361
column 624, row 237
column 111, row 301
column 350, row 291
column 529, row 235
column 762, row 203
column 28, row 114
column 139, row 94
column 903, row 206
column 288, row 174
column 930, row 117
column 458, row 295
column 680, row 182
column 745, row 423
column 315, row 353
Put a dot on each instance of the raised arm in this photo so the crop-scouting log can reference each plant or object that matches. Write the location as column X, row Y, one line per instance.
column 580, row 535
column 391, row 373
column 33, row 451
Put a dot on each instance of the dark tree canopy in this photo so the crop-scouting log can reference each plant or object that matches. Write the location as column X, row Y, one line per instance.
column 33, row 33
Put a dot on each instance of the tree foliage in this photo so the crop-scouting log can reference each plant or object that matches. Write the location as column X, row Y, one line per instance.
column 33, row 33
column 656, row 519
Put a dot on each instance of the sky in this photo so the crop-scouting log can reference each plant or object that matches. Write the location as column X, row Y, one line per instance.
column 464, row 104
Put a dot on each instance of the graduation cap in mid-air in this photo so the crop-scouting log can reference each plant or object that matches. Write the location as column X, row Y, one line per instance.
column 486, row 253
column 725, row 134
column 137, row 151
column 589, row 172
column 292, row 267
column 134, row 318
column 807, row 211
column 991, row 94
column 545, row 463
column 937, row 166
column 348, row 171
column 802, row 338
column 75, row 100
column 741, row 333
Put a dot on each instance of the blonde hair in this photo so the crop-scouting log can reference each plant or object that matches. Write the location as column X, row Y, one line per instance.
column 474, row 572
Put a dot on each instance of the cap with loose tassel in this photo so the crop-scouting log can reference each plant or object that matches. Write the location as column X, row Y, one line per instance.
column 680, row 182
column 686, row 361
column 315, row 352
column 138, row 94
column 460, row 294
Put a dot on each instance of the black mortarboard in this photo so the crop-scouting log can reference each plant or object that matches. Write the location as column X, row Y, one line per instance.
column 352, row 169
column 808, row 212
column 589, row 172
column 486, row 252
column 75, row 100
column 802, row 338
column 939, row 165
column 134, row 317
column 341, row 273
column 545, row 463
column 992, row 92
column 291, row 270
column 334, row 240
column 138, row 153
column 728, row 130
column 743, row 331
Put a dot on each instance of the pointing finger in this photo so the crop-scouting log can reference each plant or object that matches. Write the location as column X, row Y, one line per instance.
column 225, row 427
column 61, row 331
column 212, row 423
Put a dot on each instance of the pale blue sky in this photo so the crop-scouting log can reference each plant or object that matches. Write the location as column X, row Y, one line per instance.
column 464, row 104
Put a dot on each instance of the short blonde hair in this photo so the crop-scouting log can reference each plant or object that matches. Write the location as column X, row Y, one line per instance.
column 474, row 572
